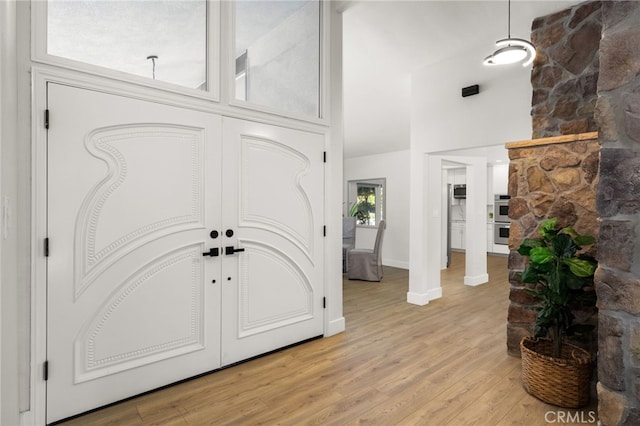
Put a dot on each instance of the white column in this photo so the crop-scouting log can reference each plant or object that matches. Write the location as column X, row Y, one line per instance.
column 476, row 222
column 426, row 229
column 334, row 319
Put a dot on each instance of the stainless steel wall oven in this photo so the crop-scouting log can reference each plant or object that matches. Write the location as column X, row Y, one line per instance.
column 501, row 233
column 501, row 208
column 501, row 219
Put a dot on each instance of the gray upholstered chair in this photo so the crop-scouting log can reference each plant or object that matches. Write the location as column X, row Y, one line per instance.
column 348, row 239
column 366, row 264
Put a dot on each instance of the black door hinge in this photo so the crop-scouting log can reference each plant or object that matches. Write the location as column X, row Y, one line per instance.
column 324, row 231
column 46, row 118
column 46, row 247
column 324, row 157
column 45, row 370
column 324, row 303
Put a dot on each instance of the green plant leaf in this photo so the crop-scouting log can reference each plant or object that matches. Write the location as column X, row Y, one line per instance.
column 541, row 255
column 581, row 240
column 548, row 228
column 563, row 246
column 580, row 267
column 554, row 282
column 530, row 275
column 353, row 210
column 584, row 240
column 569, row 230
column 528, row 244
column 564, row 278
column 574, row 282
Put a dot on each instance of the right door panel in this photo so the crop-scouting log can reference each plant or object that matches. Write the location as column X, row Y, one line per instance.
column 273, row 207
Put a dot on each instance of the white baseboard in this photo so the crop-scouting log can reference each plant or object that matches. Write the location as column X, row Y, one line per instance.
column 335, row 326
column 422, row 299
column 477, row 280
column 395, row 263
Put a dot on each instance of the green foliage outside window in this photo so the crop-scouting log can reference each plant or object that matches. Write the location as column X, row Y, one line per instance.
column 364, row 209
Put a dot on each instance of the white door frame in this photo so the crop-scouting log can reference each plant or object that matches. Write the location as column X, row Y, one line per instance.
column 41, row 75
column 426, row 225
column 34, row 134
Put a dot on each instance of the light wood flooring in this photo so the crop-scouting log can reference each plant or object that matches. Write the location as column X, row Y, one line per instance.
column 396, row 364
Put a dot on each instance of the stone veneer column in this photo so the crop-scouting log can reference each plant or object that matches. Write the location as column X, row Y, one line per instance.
column 548, row 177
column 618, row 202
column 565, row 72
column 555, row 175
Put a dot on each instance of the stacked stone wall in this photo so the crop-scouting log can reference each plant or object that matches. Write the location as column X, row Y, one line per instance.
column 563, row 80
column 548, row 179
column 565, row 73
column 618, row 203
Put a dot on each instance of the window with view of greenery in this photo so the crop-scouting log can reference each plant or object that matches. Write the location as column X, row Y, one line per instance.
column 366, row 201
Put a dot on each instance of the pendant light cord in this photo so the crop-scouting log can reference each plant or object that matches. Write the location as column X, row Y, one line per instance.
column 509, row 20
column 153, row 61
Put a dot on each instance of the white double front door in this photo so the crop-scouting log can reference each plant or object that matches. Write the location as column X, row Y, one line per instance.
column 179, row 242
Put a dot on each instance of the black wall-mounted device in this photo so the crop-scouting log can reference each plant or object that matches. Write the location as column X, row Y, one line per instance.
column 470, row 90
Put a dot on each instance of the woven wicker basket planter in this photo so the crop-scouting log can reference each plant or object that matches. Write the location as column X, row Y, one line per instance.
column 563, row 381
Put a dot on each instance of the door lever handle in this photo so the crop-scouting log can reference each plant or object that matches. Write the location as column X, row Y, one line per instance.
column 230, row 250
column 213, row 252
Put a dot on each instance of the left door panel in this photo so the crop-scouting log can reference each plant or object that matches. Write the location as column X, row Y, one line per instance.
column 133, row 198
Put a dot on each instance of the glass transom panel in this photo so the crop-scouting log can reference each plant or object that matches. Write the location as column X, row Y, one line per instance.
column 277, row 51
column 161, row 40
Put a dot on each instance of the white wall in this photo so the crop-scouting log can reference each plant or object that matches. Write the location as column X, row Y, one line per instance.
column 393, row 166
column 443, row 120
column 9, row 240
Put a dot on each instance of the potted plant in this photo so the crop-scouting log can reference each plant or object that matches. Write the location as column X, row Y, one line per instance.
column 360, row 210
column 553, row 370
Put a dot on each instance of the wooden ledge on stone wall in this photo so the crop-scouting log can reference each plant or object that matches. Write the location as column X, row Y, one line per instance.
column 552, row 140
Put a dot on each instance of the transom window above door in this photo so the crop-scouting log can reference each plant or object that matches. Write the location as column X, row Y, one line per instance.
column 157, row 40
column 277, row 52
column 272, row 60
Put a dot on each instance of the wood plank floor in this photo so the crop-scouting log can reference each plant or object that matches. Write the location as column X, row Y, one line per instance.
column 397, row 364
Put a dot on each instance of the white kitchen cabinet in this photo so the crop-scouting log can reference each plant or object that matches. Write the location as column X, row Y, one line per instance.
column 460, row 176
column 500, row 249
column 500, row 178
column 489, row 237
column 457, row 176
column 490, row 185
column 451, row 176
column 458, row 235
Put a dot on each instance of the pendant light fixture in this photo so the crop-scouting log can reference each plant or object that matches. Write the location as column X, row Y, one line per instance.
column 153, row 61
column 511, row 50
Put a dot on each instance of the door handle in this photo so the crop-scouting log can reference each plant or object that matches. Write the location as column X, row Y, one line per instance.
column 213, row 252
column 230, row 250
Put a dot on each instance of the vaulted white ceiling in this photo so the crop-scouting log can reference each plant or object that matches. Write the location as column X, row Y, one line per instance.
column 385, row 41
